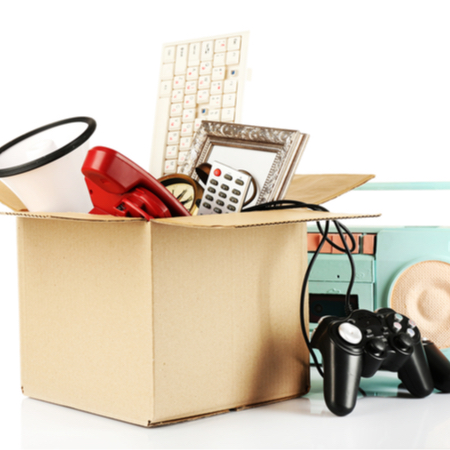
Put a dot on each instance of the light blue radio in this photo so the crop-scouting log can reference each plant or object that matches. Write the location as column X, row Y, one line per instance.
column 408, row 270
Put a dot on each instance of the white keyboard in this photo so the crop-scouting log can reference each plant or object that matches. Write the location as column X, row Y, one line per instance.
column 199, row 79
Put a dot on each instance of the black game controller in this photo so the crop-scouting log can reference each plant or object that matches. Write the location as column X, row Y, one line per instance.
column 364, row 342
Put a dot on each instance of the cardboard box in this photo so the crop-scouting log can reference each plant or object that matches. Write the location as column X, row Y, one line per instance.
column 157, row 322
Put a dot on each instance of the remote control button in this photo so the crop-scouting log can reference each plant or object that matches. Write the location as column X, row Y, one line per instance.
column 212, row 190
column 234, row 200
column 222, row 194
column 206, row 205
column 209, row 197
column 350, row 333
column 236, row 192
column 228, row 177
column 231, row 208
column 218, row 210
column 240, row 182
column 225, row 187
column 214, row 182
column 376, row 346
column 217, row 172
column 220, row 202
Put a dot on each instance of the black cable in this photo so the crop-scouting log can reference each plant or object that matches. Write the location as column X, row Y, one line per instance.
column 341, row 229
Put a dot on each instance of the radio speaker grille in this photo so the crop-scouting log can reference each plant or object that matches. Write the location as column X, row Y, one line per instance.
column 422, row 293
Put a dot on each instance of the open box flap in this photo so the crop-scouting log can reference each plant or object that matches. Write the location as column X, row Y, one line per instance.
column 257, row 218
column 9, row 199
column 318, row 189
column 238, row 220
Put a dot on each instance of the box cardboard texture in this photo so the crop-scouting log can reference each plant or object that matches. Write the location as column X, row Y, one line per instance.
column 163, row 321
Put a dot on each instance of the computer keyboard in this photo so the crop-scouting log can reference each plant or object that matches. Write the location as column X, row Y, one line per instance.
column 199, row 79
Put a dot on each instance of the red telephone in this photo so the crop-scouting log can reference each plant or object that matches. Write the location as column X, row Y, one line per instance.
column 120, row 187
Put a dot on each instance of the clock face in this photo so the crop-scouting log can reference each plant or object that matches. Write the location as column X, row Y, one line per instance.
column 184, row 193
column 186, row 190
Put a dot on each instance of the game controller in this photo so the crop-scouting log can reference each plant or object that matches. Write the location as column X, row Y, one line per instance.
column 365, row 342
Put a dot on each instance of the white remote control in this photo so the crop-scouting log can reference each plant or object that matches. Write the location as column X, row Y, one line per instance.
column 225, row 190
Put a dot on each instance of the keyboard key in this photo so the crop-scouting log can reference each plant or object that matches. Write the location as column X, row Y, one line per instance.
column 178, row 82
column 203, row 96
column 194, row 54
column 176, row 110
column 185, row 143
column 174, row 123
column 218, row 73
column 205, row 68
column 232, row 58
column 173, row 137
column 216, row 87
column 187, row 129
column 191, row 87
column 207, row 51
column 204, row 82
column 182, row 158
column 234, row 43
column 181, row 59
column 169, row 54
column 230, row 86
column 220, row 45
column 229, row 100
column 167, row 71
column 188, row 115
column 192, row 73
column 189, row 101
column 172, row 151
column 219, row 59
column 227, row 114
column 165, row 89
column 170, row 166
column 215, row 101
column 177, row 96
column 214, row 115
column 197, row 123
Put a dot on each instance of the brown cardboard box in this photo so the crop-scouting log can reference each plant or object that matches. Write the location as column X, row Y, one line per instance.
column 163, row 321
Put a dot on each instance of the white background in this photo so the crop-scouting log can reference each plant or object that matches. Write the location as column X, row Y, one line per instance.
column 368, row 80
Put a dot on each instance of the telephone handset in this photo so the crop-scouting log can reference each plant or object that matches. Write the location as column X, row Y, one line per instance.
column 120, row 187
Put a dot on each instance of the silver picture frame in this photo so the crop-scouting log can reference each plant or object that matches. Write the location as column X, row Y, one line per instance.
column 270, row 155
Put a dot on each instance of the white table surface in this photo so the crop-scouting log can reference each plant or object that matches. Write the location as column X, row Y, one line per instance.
column 386, row 418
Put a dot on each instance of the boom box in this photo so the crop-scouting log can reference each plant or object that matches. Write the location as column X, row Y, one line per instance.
column 404, row 268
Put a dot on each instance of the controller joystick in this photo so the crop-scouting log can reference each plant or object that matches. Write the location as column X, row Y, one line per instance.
column 365, row 342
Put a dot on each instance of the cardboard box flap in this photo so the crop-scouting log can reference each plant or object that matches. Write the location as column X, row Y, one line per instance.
column 257, row 218
column 9, row 199
column 318, row 189
column 70, row 216
column 240, row 220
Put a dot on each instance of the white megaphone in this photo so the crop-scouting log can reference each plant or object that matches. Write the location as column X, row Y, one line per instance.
column 43, row 167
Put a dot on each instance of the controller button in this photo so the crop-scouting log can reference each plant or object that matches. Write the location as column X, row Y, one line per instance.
column 398, row 317
column 411, row 332
column 350, row 333
column 403, row 341
column 396, row 327
column 376, row 346
column 412, row 324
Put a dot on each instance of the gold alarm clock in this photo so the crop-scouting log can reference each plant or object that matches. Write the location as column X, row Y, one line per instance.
column 186, row 190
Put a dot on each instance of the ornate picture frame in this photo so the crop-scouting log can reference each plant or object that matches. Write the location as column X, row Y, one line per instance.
column 270, row 155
